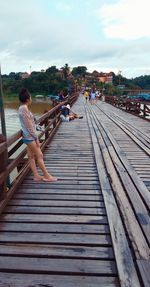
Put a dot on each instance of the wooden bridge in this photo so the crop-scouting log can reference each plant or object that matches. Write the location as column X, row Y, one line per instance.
column 92, row 227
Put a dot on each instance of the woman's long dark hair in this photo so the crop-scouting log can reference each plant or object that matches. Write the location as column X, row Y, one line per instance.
column 24, row 95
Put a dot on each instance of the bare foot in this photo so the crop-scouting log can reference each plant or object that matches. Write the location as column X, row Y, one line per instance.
column 50, row 179
column 38, row 178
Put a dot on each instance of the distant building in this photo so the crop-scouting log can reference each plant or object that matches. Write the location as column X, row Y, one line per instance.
column 24, row 75
column 106, row 78
column 101, row 77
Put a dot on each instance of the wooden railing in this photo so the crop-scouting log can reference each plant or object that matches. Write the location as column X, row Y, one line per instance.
column 135, row 106
column 10, row 162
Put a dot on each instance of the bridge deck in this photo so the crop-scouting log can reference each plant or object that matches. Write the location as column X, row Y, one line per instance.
column 91, row 228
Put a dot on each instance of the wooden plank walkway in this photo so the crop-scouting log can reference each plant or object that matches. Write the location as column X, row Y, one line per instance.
column 91, row 228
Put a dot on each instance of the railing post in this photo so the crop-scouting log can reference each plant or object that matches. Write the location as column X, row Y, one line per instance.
column 144, row 111
column 55, row 122
column 3, row 165
column 45, row 125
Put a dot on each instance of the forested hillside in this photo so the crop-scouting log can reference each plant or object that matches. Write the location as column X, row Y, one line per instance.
column 54, row 80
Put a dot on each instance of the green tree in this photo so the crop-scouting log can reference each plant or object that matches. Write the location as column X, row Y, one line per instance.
column 52, row 70
column 143, row 82
column 66, row 71
column 79, row 71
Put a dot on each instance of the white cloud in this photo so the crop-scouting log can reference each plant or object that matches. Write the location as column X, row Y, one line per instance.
column 126, row 19
column 64, row 6
column 31, row 34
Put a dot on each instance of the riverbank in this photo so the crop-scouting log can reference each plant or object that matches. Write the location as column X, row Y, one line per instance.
column 11, row 105
column 11, row 96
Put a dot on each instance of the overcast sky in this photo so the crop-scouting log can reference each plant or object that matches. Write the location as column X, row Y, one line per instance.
column 106, row 35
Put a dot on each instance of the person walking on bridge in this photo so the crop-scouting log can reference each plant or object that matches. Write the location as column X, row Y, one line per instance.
column 30, row 138
column 86, row 95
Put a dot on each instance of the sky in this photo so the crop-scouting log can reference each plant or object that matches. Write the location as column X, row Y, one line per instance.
column 103, row 35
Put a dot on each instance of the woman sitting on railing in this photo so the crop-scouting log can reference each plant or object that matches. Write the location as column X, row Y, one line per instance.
column 30, row 138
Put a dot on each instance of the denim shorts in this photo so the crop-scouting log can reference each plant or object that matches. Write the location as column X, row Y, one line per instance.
column 64, row 119
column 26, row 141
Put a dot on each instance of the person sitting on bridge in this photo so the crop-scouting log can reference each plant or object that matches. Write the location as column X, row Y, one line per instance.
column 68, row 115
column 30, row 138
column 61, row 96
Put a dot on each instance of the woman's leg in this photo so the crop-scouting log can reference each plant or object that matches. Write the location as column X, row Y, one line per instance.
column 39, row 157
column 32, row 164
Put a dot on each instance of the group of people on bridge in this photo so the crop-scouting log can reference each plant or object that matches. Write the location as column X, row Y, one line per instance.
column 29, row 136
column 92, row 96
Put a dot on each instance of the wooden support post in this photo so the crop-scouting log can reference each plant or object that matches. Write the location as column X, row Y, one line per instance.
column 3, row 161
column 3, row 127
column 55, row 122
column 2, row 113
column 45, row 125
column 144, row 111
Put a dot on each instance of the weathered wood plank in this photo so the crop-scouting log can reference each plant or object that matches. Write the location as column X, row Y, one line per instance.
column 61, row 185
column 69, row 173
column 138, row 139
column 142, row 189
column 144, row 268
column 133, row 226
column 61, row 251
column 62, row 182
column 54, row 210
column 55, row 227
column 59, row 196
column 54, row 218
column 56, row 203
column 62, row 177
column 60, row 190
column 66, row 164
column 55, row 238
column 124, row 169
column 136, row 236
column 126, row 269
column 49, row 280
column 74, row 169
column 55, row 266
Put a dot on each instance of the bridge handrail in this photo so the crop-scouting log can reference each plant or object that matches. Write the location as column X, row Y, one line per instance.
column 51, row 121
column 135, row 106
